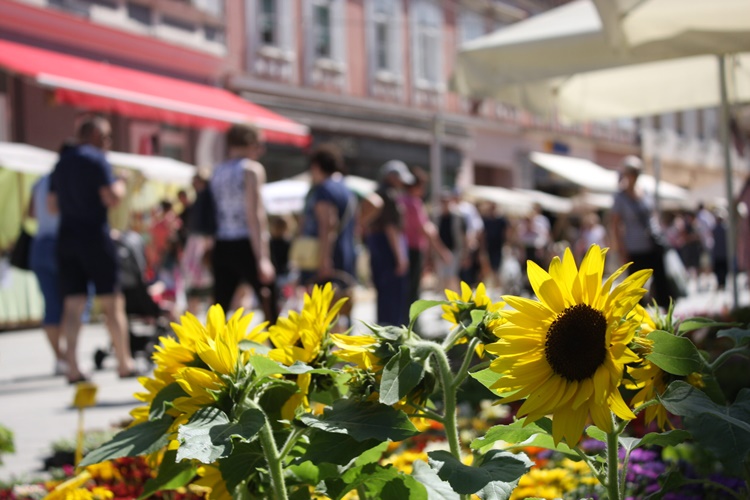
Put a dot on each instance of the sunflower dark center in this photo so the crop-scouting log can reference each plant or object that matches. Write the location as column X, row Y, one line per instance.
column 575, row 345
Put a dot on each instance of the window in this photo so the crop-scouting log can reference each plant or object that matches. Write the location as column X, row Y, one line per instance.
column 268, row 27
column 383, row 28
column 322, row 29
column 471, row 26
column 140, row 13
column 212, row 7
column 427, row 42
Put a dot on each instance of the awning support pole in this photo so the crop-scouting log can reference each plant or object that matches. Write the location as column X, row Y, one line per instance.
column 732, row 216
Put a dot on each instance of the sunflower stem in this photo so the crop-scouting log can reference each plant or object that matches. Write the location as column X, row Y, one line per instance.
column 592, row 466
column 463, row 372
column 650, row 402
column 613, row 463
column 290, row 442
column 743, row 351
column 273, row 458
column 449, row 399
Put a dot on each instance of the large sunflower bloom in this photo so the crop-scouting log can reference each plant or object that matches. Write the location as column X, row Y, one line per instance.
column 566, row 353
column 214, row 347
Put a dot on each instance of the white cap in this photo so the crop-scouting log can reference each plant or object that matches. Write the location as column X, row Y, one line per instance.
column 397, row 167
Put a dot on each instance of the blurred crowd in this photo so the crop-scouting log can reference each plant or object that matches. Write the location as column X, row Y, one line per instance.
column 214, row 243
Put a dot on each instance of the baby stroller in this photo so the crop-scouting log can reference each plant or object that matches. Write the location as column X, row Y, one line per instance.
column 147, row 321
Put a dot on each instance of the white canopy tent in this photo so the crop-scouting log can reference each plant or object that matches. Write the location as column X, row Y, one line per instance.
column 288, row 196
column 593, row 177
column 33, row 160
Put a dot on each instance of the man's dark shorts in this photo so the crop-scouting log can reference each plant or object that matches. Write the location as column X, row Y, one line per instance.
column 89, row 259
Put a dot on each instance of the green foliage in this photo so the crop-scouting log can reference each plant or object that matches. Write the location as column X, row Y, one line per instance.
column 209, row 433
column 363, row 421
column 437, row 489
column 724, row 430
column 140, row 439
column 400, row 375
column 675, row 355
column 173, row 474
column 740, row 336
column 163, row 400
column 495, row 469
column 421, row 306
column 6, row 442
column 520, row 433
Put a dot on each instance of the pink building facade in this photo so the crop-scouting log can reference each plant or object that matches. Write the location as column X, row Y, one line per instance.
column 373, row 76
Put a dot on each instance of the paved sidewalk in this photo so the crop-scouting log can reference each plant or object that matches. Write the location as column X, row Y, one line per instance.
column 37, row 406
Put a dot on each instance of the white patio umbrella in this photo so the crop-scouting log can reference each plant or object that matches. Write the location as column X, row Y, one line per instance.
column 665, row 55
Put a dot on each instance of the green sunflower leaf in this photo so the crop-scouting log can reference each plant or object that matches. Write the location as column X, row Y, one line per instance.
column 421, row 306
column 673, row 354
column 382, row 482
column 249, row 345
column 264, row 367
column 486, row 377
column 208, row 435
column 140, row 439
column 516, row 435
column 496, row 467
column 363, row 421
column 663, row 439
column 723, row 430
column 740, row 336
column 163, row 400
column 241, row 464
column 400, row 375
column 332, row 448
column 172, row 475
column 437, row 489
column 595, row 432
column 692, row 324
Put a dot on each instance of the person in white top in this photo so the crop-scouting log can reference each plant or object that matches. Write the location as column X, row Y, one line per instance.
column 241, row 252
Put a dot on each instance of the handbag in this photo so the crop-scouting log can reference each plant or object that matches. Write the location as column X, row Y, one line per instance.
column 19, row 256
column 304, row 254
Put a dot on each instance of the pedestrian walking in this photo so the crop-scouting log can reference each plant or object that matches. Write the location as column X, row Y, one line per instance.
column 386, row 243
column 241, row 253
column 636, row 231
column 82, row 189
column 43, row 262
column 329, row 219
column 420, row 232
column 200, row 228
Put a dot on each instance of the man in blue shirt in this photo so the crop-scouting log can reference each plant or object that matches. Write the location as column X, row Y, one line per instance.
column 82, row 189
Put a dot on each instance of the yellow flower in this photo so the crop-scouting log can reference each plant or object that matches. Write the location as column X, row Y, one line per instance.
column 404, row 461
column 85, row 395
column 651, row 380
column 72, row 488
column 357, row 349
column 544, row 483
column 215, row 346
column 462, row 305
column 200, row 385
column 300, row 337
column 566, row 353
column 213, row 481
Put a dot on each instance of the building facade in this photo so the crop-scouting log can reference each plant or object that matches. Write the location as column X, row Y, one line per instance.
column 173, row 38
column 369, row 75
column 373, row 77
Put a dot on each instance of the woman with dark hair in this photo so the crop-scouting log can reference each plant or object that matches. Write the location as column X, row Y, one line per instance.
column 330, row 208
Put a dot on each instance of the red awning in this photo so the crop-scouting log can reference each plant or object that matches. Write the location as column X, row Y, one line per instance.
column 100, row 86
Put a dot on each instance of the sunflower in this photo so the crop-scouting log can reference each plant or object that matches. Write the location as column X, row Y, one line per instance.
column 458, row 312
column 300, row 338
column 565, row 354
column 648, row 379
column 197, row 358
